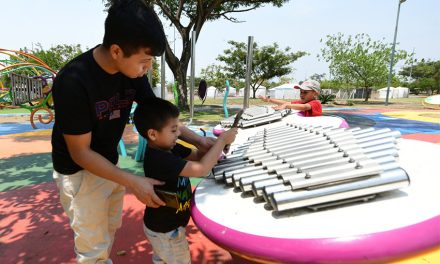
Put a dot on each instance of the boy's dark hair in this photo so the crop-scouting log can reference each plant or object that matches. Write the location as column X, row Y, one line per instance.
column 132, row 25
column 153, row 113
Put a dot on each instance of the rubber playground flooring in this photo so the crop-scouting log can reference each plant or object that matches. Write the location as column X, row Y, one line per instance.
column 34, row 228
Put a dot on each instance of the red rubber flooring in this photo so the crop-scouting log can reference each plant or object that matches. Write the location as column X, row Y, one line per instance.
column 34, row 228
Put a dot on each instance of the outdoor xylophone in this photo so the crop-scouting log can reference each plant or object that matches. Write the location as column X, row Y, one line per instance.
column 256, row 115
column 296, row 166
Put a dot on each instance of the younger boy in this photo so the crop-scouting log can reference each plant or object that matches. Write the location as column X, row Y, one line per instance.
column 308, row 105
column 157, row 121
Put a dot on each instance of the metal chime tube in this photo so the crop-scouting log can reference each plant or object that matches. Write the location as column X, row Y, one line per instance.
column 388, row 180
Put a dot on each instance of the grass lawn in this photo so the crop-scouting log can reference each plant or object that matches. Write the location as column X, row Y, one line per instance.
column 14, row 111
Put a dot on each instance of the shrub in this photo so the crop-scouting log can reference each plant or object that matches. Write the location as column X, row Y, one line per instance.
column 325, row 98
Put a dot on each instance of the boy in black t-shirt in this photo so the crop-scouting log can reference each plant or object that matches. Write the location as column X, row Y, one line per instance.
column 93, row 96
column 170, row 162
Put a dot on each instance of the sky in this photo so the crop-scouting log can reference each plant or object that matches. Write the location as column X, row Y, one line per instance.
column 299, row 24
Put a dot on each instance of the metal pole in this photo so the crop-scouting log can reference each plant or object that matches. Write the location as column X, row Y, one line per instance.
column 390, row 75
column 412, row 62
column 193, row 67
column 248, row 71
column 162, row 77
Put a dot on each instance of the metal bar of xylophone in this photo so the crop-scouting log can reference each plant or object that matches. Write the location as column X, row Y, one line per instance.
column 295, row 166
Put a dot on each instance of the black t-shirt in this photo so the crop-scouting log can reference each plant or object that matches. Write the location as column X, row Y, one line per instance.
column 88, row 99
column 166, row 166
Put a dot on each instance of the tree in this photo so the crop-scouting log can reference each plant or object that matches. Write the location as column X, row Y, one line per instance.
column 188, row 16
column 268, row 62
column 359, row 60
column 317, row 76
column 425, row 75
column 56, row 57
column 155, row 74
column 214, row 76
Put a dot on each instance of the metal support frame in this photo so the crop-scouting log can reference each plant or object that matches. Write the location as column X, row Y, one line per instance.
column 248, row 71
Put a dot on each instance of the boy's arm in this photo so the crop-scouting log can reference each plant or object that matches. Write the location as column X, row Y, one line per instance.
column 202, row 143
column 84, row 156
column 270, row 100
column 203, row 167
column 195, row 155
column 300, row 107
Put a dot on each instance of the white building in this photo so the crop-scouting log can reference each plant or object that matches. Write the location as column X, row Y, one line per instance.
column 232, row 91
column 284, row 91
column 212, row 92
column 395, row 92
column 260, row 91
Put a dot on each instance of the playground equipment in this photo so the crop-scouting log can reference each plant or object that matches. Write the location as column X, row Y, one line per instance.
column 432, row 102
column 225, row 98
column 395, row 225
column 29, row 89
column 202, row 90
column 257, row 115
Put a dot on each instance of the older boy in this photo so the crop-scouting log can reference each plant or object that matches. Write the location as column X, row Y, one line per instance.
column 93, row 95
column 172, row 163
column 308, row 105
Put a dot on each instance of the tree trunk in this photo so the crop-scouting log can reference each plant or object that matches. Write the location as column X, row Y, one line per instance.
column 182, row 89
column 179, row 69
column 368, row 93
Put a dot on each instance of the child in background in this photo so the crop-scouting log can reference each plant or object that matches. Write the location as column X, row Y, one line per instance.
column 170, row 162
column 308, row 105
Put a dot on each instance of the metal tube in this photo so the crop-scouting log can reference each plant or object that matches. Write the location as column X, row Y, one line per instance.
column 310, row 154
column 162, row 77
column 248, row 71
column 388, row 180
column 236, row 177
column 392, row 134
column 227, row 165
column 233, row 167
column 193, row 68
column 257, row 186
column 390, row 75
column 322, row 177
column 268, row 190
column 322, row 159
column 300, row 146
column 297, row 152
column 326, row 162
column 276, row 168
column 273, row 117
column 246, row 182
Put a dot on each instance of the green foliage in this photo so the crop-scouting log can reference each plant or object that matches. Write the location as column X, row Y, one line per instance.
column 359, row 60
column 56, row 57
column 317, row 77
column 268, row 62
column 326, row 98
column 214, row 76
column 155, row 74
column 188, row 16
column 425, row 75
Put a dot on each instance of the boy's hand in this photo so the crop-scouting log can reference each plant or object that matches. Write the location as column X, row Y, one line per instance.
column 264, row 98
column 205, row 144
column 229, row 136
column 280, row 107
column 143, row 189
